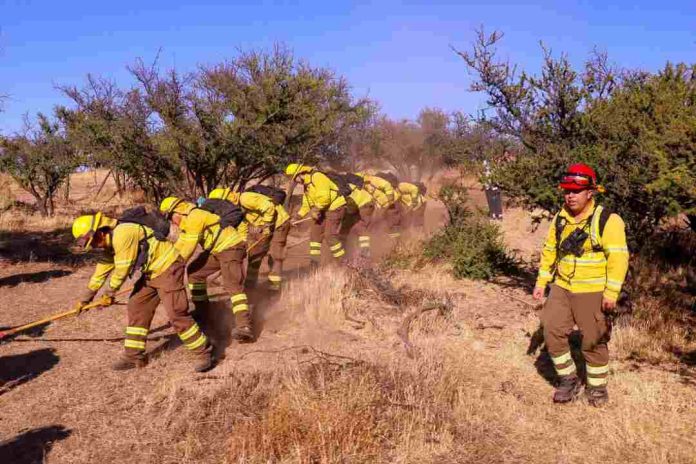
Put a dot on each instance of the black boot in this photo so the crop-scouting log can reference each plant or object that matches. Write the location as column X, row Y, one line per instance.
column 128, row 362
column 567, row 389
column 204, row 361
column 597, row 396
column 242, row 331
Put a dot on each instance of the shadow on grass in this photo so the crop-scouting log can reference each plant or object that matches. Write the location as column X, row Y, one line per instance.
column 33, row 277
column 32, row 446
column 52, row 246
column 18, row 369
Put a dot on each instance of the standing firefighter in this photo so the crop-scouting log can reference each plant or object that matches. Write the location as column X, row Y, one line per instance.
column 213, row 226
column 325, row 204
column 134, row 243
column 493, row 195
column 256, row 229
column 585, row 258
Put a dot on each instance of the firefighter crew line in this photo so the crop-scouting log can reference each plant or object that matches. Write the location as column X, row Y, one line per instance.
column 584, row 259
column 227, row 229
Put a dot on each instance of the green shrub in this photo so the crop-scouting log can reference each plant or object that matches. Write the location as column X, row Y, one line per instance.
column 470, row 242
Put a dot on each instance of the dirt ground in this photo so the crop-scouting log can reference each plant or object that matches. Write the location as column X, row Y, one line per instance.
column 61, row 403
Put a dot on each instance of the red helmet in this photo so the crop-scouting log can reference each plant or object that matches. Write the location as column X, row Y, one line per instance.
column 578, row 177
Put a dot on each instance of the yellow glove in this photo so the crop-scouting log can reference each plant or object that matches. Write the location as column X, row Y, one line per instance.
column 316, row 214
column 107, row 299
column 266, row 231
column 78, row 307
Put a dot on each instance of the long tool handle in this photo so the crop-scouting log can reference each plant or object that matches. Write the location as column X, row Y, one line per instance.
column 54, row 317
column 253, row 245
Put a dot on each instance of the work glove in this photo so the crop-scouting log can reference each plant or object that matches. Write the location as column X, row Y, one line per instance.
column 316, row 215
column 78, row 307
column 108, row 298
column 85, row 298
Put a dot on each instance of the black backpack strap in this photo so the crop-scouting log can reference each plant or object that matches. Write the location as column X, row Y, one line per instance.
column 603, row 219
column 560, row 223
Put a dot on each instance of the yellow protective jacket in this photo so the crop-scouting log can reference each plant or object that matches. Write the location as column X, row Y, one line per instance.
column 259, row 211
column 120, row 259
column 603, row 265
column 319, row 193
column 361, row 197
column 410, row 195
column 200, row 226
column 282, row 215
column 380, row 189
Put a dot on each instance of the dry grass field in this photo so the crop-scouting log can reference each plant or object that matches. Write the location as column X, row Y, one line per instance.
column 338, row 374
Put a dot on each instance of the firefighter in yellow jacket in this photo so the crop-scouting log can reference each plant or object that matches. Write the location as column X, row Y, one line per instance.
column 325, row 205
column 256, row 229
column 129, row 245
column 224, row 250
column 411, row 200
column 276, row 254
column 585, row 258
column 386, row 199
column 359, row 211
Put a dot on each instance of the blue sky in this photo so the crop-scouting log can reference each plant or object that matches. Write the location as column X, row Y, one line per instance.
column 397, row 52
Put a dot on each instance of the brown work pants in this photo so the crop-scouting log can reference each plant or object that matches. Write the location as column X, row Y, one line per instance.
column 276, row 254
column 564, row 310
column 259, row 245
column 230, row 263
column 169, row 289
column 328, row 225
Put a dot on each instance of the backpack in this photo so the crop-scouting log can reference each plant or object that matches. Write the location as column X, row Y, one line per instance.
column 152, row 220
column 274, row 193
column 230, row 214
column 604, row 214
column 340, row 181
column 389, row 177
column 354, row 179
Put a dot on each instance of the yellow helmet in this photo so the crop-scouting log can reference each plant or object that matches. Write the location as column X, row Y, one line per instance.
column 84, row 227
column 295, row 169
column 171, row 205
column 225, row 194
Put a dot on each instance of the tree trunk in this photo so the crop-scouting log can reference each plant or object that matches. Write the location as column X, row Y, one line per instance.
column 41, row 204
column 66, row 190
column 51, row 205
column 117, row 181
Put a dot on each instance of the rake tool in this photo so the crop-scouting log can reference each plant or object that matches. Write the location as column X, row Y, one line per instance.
column 55, row 317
